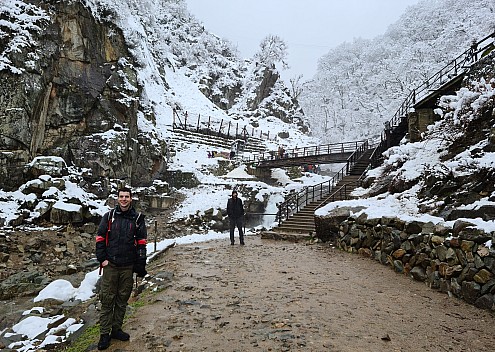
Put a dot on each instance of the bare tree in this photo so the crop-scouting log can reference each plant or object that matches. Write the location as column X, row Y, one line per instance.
column 296, row 87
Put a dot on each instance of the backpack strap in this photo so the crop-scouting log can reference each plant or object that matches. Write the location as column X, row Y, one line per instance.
column 139, row 222
column 137, row 227
column 111, row 217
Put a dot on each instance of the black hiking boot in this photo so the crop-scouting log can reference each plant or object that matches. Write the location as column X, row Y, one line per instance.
column 104, row 342
column 120, row 335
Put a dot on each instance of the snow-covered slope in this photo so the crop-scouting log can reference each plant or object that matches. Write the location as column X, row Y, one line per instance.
column 359, row 85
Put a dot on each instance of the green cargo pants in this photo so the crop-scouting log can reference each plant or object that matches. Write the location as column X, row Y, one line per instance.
column 116, row 288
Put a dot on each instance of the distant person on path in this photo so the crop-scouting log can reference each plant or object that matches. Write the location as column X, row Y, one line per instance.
column 121, row 250
column 235, row 212
column 234, row 149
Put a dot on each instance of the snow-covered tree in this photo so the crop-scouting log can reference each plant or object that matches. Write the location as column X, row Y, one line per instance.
column 273, row 50
column 364, row 82
column 296, row 86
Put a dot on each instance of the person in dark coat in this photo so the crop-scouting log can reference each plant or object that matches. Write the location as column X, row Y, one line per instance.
column 121, row 250
column 235, row 212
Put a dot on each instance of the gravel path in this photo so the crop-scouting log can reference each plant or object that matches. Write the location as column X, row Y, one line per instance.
column 281, row 296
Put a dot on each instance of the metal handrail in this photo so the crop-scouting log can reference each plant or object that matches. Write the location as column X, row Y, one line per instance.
column 332, row 197
column 376, row 154
column 454, row 68
column 308, row 194
column 314, row 150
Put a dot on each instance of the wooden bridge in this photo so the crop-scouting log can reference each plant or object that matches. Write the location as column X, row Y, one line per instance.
column 222, row 129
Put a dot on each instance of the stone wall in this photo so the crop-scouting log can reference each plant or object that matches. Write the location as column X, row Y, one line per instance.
column 418, row 121
column 451, row 260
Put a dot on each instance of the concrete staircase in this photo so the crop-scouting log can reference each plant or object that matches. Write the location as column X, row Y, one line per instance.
column 304, row 220
column 362, row 164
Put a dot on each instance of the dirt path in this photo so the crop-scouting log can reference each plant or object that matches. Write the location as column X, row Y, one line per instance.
column 280, row 296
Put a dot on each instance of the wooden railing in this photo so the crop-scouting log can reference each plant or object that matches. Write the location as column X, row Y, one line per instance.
column 221, row 129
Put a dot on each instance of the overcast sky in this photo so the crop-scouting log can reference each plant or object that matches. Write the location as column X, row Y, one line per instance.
column 309, row 27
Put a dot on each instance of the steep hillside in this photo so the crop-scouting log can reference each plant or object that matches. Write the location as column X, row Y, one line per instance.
column 449, row 174
column 359, row 85
column 453, row 168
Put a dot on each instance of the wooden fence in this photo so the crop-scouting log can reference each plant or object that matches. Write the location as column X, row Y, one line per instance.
column 223, row 129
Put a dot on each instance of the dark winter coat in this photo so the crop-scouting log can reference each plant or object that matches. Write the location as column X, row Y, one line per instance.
column 126, row 240
column 235, row 208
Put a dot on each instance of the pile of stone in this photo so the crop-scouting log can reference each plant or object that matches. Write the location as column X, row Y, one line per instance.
column 30, row 259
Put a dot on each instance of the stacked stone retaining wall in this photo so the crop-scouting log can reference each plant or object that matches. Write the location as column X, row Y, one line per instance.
column 456, row 260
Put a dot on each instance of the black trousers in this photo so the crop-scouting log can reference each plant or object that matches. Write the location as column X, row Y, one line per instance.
column 236, row 222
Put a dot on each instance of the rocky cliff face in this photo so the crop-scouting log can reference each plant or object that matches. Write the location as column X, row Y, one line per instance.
column 75, row 93
column 265, row 96
column 80, row 84
column 77, row 99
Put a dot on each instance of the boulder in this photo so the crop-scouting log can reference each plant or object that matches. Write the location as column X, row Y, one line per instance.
column 47, row 165
column 66, row 213
column 470, row 291
column 22, row 284
column 485, row 302
column 418, row 273
column 159, row 201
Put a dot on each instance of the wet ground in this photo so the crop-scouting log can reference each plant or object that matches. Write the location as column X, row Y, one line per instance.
column 280, row 296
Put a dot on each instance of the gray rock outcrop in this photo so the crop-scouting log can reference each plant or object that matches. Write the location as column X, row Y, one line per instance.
column 78, row 100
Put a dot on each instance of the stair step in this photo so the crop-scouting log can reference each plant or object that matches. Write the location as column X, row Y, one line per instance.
column 308, row 209
column 295, row 229
column 303, row 220
column 297, row 221
column 304, row 216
